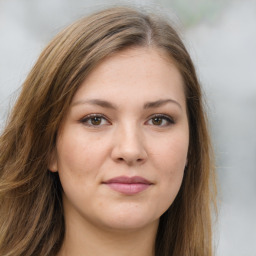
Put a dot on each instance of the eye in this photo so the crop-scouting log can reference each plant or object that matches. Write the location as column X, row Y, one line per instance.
column 160, row 120
column 95, row 120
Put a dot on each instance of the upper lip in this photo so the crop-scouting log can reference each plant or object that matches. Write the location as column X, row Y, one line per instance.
column 128, row 180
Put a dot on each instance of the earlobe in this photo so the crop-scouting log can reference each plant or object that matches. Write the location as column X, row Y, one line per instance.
column 53, row 164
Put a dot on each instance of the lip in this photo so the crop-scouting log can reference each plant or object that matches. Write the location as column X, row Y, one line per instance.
column 128, row 185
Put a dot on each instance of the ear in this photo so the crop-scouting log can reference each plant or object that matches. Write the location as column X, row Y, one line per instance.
column 53, row 163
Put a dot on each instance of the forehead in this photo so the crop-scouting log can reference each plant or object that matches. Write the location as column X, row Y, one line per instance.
column 140, row 73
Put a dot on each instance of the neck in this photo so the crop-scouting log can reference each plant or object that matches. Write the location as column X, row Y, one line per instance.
column 86, row 240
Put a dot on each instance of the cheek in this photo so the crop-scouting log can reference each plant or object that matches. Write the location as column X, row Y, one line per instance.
column 79, row 160
column 78, row 165
column 77, row 153
column 170, row 180
column 171, row 152
column 170, row 159
column 175, row 159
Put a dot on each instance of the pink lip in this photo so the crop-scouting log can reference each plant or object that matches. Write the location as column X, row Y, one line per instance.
column 128, row 185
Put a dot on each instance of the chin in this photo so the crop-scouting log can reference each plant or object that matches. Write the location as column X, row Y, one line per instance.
column 130, row 225
column 124, row 220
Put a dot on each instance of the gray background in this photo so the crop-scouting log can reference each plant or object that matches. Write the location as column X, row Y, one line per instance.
column 221, row 37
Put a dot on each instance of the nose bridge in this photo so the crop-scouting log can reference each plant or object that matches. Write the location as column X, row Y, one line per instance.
column 130, row 135
column 129, row 145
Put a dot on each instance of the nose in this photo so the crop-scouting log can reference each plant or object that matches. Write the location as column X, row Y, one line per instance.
column 129, row 146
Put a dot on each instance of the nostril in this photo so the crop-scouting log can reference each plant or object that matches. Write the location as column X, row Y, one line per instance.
column 129, row 161
column 129, row 153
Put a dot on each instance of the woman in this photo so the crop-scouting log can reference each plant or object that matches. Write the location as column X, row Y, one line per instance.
column 106, row 151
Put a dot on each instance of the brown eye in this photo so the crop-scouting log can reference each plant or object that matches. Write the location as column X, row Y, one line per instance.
column 157, row 120
column 96, row 120
column 160, row 120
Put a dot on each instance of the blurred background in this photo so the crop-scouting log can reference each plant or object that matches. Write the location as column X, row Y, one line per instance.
column 221, row 38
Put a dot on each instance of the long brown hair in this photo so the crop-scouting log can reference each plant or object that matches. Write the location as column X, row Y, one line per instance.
column 31, row 214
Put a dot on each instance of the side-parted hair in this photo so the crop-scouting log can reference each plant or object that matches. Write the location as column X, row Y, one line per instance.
column 31, row 212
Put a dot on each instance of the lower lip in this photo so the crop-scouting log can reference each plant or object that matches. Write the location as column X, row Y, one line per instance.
column 128, row 189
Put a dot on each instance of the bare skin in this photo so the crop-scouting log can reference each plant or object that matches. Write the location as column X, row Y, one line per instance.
column 128, row 119
column 88, row 240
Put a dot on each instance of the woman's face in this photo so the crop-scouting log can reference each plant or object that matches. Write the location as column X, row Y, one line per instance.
column 122, row 148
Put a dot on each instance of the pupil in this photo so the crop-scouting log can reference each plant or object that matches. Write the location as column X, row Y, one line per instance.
column 157, row 120
column 96, row 120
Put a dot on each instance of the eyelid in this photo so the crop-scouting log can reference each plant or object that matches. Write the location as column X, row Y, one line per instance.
column 88, row 117
column 166, row 117
column 169, row 119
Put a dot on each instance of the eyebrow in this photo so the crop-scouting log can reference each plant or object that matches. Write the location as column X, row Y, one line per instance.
column 107, row 104
column 101, row 103
column 159, row 103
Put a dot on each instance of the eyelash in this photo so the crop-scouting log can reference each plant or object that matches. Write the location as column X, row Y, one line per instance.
column 168, row 120
column 88, row 118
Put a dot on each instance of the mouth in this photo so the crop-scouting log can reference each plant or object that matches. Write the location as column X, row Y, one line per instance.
column 128, row 185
